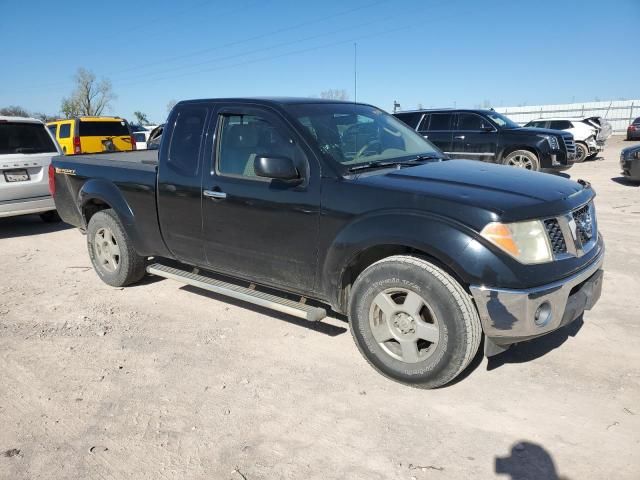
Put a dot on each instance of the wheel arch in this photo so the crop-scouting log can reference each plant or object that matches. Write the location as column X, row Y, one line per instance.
column 369, row 240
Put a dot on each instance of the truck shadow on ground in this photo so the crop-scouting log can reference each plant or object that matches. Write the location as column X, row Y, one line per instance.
column 626, row 182
column 536, row 348
column 320, row 327
column 527, row 460
column 24, row 226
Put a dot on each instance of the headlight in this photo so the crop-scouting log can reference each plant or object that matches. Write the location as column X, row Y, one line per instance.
column 553, row 141
column 527, row 242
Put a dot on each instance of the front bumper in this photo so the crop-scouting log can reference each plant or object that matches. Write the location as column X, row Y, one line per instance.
column 511, row 316
column 10, row 208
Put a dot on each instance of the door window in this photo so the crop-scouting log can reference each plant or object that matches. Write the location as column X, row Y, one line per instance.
column 559, row 124
column 471, row 122
column 243, row 138
column 410, row 118
column 184, row 150
column 440, row 121
column 424, row 124
column 65, row 130
column 53, row 129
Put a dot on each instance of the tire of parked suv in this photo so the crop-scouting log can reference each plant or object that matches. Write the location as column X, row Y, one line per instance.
column 50, row 217
column 111, row 252
column 582, row 152
column 522, row 159
column 413, row 322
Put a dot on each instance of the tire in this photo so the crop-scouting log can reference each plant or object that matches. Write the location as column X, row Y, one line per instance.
column 582, row 152
column 112, row 255
column 446, row 316
column 50, row 217
column 522, row 159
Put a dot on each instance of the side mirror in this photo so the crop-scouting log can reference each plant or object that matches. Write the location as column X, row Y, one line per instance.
column 281, row 168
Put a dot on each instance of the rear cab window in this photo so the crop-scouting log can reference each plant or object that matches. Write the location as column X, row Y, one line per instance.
column 116, row 128
column 24, row 138
column 186, row 138
column 53, row 129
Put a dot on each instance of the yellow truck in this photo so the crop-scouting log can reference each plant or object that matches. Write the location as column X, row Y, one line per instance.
column 92, row 135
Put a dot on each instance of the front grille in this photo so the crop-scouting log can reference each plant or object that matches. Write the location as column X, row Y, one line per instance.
column 584, row 224
column 569, row 144
column 556, row 237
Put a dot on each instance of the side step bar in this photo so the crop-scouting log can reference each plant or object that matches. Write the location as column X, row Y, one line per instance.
column 297, row 309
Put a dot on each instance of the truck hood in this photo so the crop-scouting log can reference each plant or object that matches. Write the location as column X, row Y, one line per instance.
column 510, row 193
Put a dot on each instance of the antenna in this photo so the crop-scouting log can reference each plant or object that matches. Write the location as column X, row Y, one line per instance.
column 355, row 72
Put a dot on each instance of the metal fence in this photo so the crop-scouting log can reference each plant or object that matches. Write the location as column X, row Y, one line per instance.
column 620, row 113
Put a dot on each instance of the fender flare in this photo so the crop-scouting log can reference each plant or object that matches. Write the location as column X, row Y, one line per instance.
column 107, row 192
column 450, row 243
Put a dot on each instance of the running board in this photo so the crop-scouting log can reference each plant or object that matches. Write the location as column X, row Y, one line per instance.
column 297, row 309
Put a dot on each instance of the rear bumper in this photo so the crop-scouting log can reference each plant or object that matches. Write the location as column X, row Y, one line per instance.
column 511, row 316
column 25, row 206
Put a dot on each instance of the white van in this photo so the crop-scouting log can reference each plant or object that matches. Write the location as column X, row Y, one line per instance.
column 26, row 149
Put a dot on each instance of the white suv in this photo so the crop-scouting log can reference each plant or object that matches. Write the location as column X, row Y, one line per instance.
column 588, row 133
column 26, row 149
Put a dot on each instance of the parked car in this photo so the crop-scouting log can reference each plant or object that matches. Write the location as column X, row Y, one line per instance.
column 633, row 130
column 140, row 138
column 586, row 133
column 155, row 136
column 491, row 137
column 630, row 163
column 301, row 204
column 92, row 135
column 26, row 149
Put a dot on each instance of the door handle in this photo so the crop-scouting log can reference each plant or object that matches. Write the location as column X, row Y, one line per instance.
column 426, row 136
column 214, row 194
column 459, row 137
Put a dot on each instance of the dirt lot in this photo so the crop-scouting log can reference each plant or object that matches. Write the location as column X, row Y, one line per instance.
column 160, row 381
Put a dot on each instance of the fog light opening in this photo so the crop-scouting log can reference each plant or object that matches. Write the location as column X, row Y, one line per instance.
column 543, row 314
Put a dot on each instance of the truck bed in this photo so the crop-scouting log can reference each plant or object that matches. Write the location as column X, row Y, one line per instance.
column 140, row 159
column 128, row 178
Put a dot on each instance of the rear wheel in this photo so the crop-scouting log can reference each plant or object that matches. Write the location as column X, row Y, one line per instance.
column 50, row 217
column 111, row 252
column 522, row 159
column 413, row 322
column 582, row 151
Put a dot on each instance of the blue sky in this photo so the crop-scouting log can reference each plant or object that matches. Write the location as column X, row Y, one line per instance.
column 429, row 52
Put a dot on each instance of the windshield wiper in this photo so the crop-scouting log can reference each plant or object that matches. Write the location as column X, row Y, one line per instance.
column 390, row 163
column 376, row 164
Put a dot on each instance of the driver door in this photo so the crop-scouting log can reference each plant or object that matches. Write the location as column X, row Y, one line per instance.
column 260, row 229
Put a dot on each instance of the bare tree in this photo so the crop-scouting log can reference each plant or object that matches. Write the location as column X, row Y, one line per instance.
column 335, row 94
column 171, row 104
column 14, row 111
column 141, row 118
column 90, row 97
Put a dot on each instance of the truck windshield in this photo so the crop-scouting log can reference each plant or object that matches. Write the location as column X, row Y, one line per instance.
column 353, row 134
column 502, row 121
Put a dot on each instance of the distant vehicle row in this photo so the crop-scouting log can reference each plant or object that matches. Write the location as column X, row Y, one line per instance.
column 491, row 137
column 633, row 130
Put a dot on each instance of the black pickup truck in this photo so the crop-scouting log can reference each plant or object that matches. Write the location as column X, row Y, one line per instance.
column 491, row 137
column 300, row 205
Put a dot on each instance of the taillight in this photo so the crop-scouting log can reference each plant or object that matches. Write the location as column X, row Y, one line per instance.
column 631, row 127
column 52, row 180
column 133, row 143
column 77, row 148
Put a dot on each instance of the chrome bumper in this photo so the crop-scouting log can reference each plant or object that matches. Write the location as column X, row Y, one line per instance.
column 510, row 316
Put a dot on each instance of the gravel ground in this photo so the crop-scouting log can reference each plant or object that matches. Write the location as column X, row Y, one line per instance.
column 160, row 381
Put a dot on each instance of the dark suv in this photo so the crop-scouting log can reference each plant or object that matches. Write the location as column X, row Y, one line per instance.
column 491, row 137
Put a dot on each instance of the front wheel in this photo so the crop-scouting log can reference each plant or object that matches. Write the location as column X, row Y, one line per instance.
column 111, row 251
column 582, row 152
column 413, row 322
column 522, row 159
